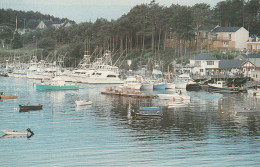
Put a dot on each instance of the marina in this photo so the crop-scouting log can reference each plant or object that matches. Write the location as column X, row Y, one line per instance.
column 211, row 127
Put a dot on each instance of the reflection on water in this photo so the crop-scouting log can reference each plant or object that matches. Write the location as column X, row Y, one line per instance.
column 214, row 130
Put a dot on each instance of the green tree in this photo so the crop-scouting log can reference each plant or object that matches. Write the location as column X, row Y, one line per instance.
column 201, row 15
column 47, row 43
column 6, row 35
column 17, row 41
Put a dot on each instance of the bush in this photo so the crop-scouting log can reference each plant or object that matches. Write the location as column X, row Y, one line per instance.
column 47, row 43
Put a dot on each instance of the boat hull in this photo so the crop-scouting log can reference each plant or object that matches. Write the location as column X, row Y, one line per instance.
column 159, row 86
column 83, row 102
column 30, row 107
column 12, row 132
column 54, row 87
column 2, row 97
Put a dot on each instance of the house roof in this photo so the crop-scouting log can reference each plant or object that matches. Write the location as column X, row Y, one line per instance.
column 207, row 27
column 226, row 29
column 203, row 56
column 249, row 56
column 49, row 23
column 227, row 64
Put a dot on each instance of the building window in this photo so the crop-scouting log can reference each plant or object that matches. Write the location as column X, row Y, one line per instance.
column 201, row 70
column 197, row 63
column 258, row 46
column 206, row 34
column 229, row 36
column 210, row 62
column 253, row 47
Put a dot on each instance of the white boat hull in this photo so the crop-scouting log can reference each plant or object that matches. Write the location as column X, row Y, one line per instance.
column 175, row 96
column 13, row 132
column 83, row 102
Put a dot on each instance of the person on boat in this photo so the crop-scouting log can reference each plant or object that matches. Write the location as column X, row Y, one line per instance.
column 30, row 133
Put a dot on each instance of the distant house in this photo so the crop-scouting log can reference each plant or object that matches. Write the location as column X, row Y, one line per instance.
column 203, row 64
column 56, row 24
column 254, row 58
column 222, row 38
column 237, row 65
column 253, row 44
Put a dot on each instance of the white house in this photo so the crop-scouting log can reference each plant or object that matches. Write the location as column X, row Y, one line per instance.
column 223, row 38
column 56, row 24
column 203, row 64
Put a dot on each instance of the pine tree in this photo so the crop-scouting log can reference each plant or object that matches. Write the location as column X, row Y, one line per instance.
column 17, row 42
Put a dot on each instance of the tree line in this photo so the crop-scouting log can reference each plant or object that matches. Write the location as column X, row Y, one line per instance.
column 143, row 32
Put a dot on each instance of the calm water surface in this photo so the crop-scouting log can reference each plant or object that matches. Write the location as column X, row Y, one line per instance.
column 214, row 130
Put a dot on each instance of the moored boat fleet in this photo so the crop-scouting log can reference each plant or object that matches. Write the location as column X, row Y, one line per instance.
column 102, row 71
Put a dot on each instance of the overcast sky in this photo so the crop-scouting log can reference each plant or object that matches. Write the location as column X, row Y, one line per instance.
column 89, row 10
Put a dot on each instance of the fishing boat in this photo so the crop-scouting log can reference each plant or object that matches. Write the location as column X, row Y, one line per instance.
column 220, row 86
column 28, row 107
column 103, row 77
column 132, row 82
column 56, row 85
column 83, row 102
column 20, row 133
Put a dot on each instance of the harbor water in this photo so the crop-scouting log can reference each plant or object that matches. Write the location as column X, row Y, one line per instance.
column 213, row 130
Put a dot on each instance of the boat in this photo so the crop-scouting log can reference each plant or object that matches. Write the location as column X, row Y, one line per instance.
column 150, row 109
column 28, row 107
column 176, row 104
column 3, row 96
column 145, row 115
column 220, row 86
column 170, row 85
column 158, row 80
column 103, row 77
column 178, row 95
column 159, row 85
column 83, row 102
column 28, row 132
column 132, row 82
column 56, row 85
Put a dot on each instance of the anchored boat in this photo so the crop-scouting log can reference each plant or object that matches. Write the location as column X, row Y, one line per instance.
column 28, row 107
column 28, row 132
column 56, row 85
column 83, row 102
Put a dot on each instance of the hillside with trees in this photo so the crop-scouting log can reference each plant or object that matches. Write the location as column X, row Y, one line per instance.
column 140, row 35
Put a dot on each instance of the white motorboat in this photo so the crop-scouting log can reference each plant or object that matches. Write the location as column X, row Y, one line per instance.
column 15, row 132
column 132, row 83
column 103, row 77
column 176, row 104
column 83, row 102
column 170, row 85
column 178, row 95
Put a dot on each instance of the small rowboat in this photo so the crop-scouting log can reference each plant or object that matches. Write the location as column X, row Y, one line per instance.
column 3, row 97
column 28, row 107
column 20, row 133
column 83, row 102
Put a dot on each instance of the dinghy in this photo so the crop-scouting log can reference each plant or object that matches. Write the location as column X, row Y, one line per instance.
column 20, row 133
column 82, row 102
